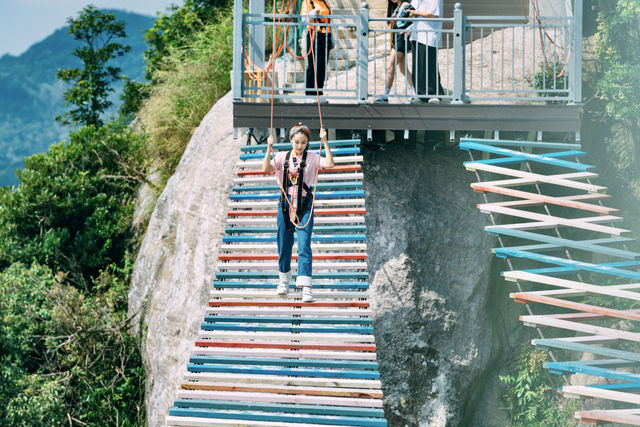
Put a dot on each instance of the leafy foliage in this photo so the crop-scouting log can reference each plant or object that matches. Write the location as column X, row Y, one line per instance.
column 186, row 84
column 97, row 31
column 530, row 395
column 73, row 209
column 176, row 29
column 552, row 78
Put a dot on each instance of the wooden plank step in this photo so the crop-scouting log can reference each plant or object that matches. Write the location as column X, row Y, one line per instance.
column 590, row 339
column 319, row 195
column 558, row 271
column 269, row 388
column 518, row 159
column 230, row 294
column 286, row 371
column 586, row 391
column 314, row 238
column 286, row 345
column 597, row 371
column 273, row 212
column 315, row 246
column 350, row 203
column 313, row 145
column 177, row 421
column 245, row 303
column 569, row 293
column 335, row 152
column 335, row 169
column 596, row 417
column 287, row 337
column 580, row 327
column 268, row 398
column 285, row 354
column 319, row 219
column 340, row 160
column 241, row 189
column 547, row 247
column 518, row 143
column 268, row 265
column 288, row 311
column 281, row 418
column 271, row 179
column 274, row 257
column 316, row 229
column 311, row 382
column 274, row 275
column 585, row 348
column 287, row 319
column 332, row 329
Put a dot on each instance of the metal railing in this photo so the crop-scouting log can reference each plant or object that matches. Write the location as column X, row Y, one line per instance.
column 480, row 59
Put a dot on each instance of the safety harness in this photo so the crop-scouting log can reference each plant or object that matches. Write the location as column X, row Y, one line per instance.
column 294, row 179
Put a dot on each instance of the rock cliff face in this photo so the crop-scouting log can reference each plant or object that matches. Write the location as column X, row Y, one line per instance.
column 440, row 326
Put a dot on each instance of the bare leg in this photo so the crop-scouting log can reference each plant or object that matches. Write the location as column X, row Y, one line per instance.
column 391, row 69
column 404, row 70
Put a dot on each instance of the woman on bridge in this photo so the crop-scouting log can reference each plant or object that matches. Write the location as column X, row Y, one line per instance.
column 297, row 170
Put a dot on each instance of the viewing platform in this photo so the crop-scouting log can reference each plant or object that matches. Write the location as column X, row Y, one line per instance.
column 497, row 72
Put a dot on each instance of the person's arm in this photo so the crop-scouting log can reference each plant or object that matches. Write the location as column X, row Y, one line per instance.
column 266, row 162
column 326, row 162
column 419, row 14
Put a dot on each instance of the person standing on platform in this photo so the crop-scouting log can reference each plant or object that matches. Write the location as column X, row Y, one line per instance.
column 397, row 9
column 316, row 14
column 296, row 171
column 425, row 41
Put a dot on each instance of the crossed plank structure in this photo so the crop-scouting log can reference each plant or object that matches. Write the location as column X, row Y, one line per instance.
column 267, row 360
column 547, row 214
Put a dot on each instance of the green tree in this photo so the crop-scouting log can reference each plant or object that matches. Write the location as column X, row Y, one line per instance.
column 617, row 48
column 177, row 28
column 97, row 32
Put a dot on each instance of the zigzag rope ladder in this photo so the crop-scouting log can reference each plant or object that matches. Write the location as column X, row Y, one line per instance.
column 266, row 360
column 551, row 213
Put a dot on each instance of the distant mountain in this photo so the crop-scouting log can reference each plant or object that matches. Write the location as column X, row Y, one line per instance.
column 31, row 96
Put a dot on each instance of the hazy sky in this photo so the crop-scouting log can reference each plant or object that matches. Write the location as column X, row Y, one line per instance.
column 25, row 22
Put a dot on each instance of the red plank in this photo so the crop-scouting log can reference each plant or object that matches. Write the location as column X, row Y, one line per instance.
column 340, row 168
column 587, row 308
column 328, row 211
column 233, row 257
column 288, row 346
column 219, row 303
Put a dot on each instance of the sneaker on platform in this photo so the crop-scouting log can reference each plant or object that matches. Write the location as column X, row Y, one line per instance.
column 307, row 296
column 434, row 100
column 283, row 285
column 381, row 100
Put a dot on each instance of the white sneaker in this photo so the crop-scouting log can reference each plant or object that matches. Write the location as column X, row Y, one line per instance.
column 306, row 294
column 283, row 285
column 434, row 100
column 302, row 281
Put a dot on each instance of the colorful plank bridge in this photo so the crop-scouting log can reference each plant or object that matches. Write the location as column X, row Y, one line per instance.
column 573, row 262
column 266, row 360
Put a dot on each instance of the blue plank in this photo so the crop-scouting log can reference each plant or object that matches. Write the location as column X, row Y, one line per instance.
column 520, row 159
column 280, row 418
column 538, row 158
column 547, row 247
column 577, row 368
column 227, row 284
column 617, row 387
column 581, row 245
column 316, row 229
column 596, row 268
column 289, row 363
column 298, row 372
column 288, row 319
column 604, row 363
column 515, row 143
column 293, row 329
column 334, row 151
column 276, row 187
column 559, row 271
column 319, row 195
column 585, row 348
column 314, row 238
column 274, row 275
column 280, row 407
column 312, row 145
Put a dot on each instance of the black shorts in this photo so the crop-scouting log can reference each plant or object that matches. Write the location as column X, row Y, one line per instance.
column 399, row 42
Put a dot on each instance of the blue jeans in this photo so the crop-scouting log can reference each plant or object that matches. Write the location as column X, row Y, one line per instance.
column 285, row 240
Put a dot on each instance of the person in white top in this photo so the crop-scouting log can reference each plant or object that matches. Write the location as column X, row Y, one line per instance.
column 425, row 41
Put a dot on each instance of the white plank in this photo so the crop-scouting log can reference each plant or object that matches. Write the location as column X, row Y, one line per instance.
column 322, row 176
column 273, row 265
column 172, row 421
column 584, row 391
column 580, row 327
column 284, row 354
column 565, row 180
column 256, row 164
column 290, row 311
column 273, row 248
column 336, row 338
column 318, row 294
column 527, row 203
column 273, row 204
column 278, row 398
column 518, row 275
column 582, row 223
column 568, row 293
column 283, row 380
column 319, row 219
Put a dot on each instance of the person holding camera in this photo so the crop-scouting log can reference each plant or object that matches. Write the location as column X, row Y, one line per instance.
column 398, row 51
